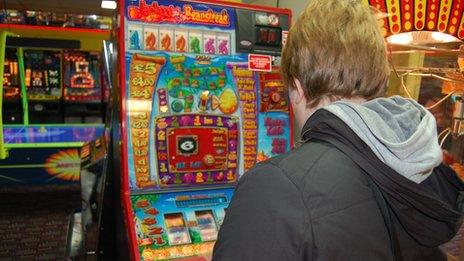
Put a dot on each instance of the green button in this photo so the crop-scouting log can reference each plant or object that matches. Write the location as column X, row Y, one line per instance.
column 177, row 106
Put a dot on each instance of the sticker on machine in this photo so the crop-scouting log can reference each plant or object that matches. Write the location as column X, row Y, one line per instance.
column 150, row 38
column 181, row 40
column 223, row 43
column 135, row 37
column 258, row 62
column 166, row 39
column 195, row 42
column 209, row 42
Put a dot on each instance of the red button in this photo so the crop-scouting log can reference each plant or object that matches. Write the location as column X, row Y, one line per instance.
column 275, row 97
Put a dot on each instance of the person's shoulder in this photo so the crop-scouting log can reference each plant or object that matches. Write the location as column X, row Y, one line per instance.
column 309, row 161
column 326, row 177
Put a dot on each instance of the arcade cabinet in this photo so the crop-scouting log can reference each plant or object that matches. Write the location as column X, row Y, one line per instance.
column 201, row 101
column 36, row 147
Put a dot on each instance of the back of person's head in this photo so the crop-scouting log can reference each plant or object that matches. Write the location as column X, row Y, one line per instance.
column 335, row 50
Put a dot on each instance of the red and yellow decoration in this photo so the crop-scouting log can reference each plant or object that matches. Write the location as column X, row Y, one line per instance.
column 144, row 72
column 421, row 15
column 156, row 13
column 64, row 165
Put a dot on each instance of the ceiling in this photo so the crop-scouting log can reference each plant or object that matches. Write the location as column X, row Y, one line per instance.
column 85, row 7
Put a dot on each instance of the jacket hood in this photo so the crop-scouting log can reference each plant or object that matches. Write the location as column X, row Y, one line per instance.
column 429, row 211
column 400, row 132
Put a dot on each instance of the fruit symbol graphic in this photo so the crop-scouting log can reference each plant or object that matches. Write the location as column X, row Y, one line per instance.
column 166, row 43
column 209, row 46
column 150, row 41
column 181, row 44
column 195, row 45
column 224, row 47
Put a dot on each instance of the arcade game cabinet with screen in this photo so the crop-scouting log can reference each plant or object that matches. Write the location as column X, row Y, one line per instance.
column 202, row 102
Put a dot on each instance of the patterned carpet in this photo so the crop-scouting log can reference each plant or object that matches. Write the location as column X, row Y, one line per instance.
column 34, row 223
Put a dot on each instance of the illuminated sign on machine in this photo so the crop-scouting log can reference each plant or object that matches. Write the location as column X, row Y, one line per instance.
column 178, row 13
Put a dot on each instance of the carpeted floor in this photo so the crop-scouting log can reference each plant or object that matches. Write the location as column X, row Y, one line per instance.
column 34, row 222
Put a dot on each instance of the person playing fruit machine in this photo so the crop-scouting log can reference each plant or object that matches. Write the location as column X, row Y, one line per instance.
column 368, row 182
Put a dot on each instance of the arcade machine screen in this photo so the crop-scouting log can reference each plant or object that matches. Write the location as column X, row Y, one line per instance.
column 43, row 74
column 81, row 76
column 43, row 84
column 197, row 116
column 11, row 89
column 12, row 109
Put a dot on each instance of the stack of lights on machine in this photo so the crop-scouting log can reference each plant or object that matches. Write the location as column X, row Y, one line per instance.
column 82, row 76
column 11, row 88
column 11, row 77
column 43, row 74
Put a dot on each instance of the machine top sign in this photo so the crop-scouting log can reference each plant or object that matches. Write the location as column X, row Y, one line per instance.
column 162, row 11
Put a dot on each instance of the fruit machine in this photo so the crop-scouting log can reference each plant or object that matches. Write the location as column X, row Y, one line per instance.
column 82, row 87
column 43, row 83
column 202, row 101
column 12, row 109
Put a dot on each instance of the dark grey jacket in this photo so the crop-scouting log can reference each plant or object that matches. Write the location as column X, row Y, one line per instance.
column 315, row 203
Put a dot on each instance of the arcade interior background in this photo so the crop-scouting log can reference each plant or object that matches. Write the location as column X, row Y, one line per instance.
column 125, row 125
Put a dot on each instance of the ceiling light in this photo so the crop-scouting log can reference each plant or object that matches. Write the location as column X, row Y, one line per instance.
column 404, row 38
column 108, row 4
column 444, row 38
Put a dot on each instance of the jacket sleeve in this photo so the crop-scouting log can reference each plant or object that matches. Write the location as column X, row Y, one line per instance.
column 266, row 220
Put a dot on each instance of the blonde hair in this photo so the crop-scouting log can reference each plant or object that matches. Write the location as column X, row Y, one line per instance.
column 336, row 50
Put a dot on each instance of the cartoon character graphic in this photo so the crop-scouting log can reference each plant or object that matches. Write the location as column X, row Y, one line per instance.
column 166, row 43
column 181, row 43
column 195, row 45
column 134, row 41
column 209, row 46
column 224, row 47
column 150, row 42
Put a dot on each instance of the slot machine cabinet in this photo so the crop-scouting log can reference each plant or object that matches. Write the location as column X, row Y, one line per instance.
column 12, row 108
column 196, row 114
column 43, row 84
column 82, row 86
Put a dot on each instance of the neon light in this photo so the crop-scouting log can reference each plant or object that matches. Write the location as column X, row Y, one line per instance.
column 156, row 13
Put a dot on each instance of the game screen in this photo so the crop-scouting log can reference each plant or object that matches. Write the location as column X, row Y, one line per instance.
column 82, row 79
column 43, row 74
column 167, row 224
column 11, row 88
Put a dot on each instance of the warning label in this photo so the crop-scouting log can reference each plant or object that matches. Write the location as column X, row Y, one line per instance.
column 261, row 63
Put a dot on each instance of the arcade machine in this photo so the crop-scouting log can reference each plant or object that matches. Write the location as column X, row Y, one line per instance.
column 202, row 101
column 43, row 83
column 37, row 150
column 82, row 87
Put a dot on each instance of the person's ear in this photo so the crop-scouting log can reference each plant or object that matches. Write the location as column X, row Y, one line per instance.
column 298, row 94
